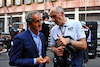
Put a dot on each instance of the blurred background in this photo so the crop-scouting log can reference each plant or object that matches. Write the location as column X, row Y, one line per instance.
column 13, row 12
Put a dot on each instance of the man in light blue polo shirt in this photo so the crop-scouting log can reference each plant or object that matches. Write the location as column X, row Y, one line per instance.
column 70, row 38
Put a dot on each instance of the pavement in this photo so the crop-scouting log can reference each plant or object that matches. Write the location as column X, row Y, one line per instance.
column 93, row 62
column 4, row 60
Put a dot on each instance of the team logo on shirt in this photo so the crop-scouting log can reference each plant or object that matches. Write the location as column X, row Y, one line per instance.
column 70, row 28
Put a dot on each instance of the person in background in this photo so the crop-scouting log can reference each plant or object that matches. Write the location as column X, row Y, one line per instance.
column 45, row 29
column 85, row 52
column 0, row 30
column 28, row 48
column 12, row 31
column 21, row 28
column 1, row 41
column 4, row 41
column 68, row 40
column 86, row 28
column 0, row 33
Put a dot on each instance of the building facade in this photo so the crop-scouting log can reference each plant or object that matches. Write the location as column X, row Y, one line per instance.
column 15, row 10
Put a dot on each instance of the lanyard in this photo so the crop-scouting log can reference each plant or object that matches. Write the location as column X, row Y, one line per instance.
column 38, row 44
column 63, row 32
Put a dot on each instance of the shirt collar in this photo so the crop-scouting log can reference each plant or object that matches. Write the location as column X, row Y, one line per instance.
column 33, row 35
column 66, row 24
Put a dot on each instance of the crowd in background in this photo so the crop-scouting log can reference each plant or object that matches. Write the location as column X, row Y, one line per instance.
column 6, row 39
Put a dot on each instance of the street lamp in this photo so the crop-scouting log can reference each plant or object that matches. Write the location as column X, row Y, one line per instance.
column 44, row 5
column 52, row 2
column 85, row 11
column 9, row 14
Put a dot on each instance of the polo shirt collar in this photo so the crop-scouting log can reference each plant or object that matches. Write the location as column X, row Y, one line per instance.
column 66, row 24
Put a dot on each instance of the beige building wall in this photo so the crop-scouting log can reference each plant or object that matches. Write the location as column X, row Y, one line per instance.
column 73, row 9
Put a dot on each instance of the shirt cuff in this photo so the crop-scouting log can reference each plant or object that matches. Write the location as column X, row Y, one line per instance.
column 35, row 61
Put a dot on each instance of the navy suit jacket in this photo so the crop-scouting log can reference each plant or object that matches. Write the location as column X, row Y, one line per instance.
column 24, row 50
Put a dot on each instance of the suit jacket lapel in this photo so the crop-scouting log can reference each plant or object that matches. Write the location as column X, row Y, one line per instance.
column 42, row 40
column 28, row 34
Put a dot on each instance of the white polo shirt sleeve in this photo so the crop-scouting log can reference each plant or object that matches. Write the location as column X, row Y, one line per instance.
column 52, row 40
column 80, row 31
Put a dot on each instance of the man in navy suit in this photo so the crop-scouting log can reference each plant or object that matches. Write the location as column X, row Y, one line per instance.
column 28, row 46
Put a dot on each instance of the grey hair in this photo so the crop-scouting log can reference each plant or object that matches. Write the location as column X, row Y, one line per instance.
column 59, row 9
column 28, row 16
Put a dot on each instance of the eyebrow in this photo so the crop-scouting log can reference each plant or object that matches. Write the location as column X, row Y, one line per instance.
column 38, row 20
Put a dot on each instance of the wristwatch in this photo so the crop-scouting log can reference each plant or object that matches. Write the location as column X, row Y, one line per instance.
column 70, row 41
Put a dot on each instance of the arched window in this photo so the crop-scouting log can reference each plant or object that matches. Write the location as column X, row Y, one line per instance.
column 1, row 3
column 18, row 2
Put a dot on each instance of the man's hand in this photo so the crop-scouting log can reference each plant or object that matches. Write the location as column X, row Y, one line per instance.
column 40, row 60
column 59, row 51
column 62, row 41
column 47, row 59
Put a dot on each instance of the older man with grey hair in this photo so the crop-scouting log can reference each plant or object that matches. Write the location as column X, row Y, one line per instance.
column 67, row 40
column 28, row 49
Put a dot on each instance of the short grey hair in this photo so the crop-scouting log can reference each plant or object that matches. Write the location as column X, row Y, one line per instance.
column 59, row 9
column 28, row 16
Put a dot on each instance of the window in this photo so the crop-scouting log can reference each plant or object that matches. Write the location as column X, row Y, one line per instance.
column 40, row 1
column 71, row 16
column 28, row 1
column 2, row 24
column 15, row 20
column 8, row 2
column 18, row 2
column 1, row 4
